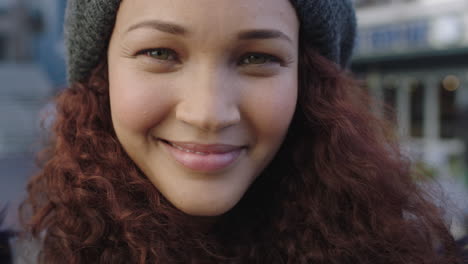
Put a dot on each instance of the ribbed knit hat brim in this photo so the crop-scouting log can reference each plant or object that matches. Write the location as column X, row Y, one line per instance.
column 327, row 25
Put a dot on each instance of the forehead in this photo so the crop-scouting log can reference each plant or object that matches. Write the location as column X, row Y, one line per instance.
column 212, row 15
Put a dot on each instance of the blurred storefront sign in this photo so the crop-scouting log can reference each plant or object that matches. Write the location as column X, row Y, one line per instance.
column 412, row 36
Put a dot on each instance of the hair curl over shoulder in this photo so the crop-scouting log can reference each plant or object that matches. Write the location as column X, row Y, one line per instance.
column 338, row 191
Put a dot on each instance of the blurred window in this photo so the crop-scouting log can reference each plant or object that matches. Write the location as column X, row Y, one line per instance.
column 3, row 47
column 389, row 96
column 448, row 110
column 417, row 108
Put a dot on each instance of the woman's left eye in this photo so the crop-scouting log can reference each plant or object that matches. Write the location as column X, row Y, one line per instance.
column 258, row 59
column 162, row 54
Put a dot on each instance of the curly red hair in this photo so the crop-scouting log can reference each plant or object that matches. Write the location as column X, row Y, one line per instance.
column 338, row 191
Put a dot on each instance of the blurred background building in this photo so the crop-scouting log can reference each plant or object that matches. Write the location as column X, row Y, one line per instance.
column 31, row 71
column 411, row 54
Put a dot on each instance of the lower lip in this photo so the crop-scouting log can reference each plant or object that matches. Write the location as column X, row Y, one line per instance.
column 204, row 163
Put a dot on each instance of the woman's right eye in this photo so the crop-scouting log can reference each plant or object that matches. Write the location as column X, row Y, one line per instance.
column 162, row 54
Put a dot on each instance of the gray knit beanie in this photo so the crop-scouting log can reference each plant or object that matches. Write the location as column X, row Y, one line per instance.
column 327, row 25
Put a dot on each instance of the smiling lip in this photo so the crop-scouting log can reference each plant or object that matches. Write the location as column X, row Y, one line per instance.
column 201, row 157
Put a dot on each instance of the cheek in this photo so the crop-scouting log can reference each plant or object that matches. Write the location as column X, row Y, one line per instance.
column 138, row 104
column 271, row 109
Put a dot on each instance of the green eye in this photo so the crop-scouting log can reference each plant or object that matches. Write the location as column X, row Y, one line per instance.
column 258, row 59
column 161, row 54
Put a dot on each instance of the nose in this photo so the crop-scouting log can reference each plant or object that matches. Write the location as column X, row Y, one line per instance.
column 210, row 100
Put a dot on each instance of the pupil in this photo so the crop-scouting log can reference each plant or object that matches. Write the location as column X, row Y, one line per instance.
column 160, row 54
column 256, row 59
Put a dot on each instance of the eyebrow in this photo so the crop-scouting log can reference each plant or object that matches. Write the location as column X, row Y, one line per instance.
column 166, row 27
column 263, row 34
column 175, row 29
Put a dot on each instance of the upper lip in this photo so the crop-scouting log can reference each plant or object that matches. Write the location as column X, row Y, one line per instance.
column 205, row 148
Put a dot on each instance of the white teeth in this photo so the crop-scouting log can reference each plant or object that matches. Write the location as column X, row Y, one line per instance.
column 188, row 150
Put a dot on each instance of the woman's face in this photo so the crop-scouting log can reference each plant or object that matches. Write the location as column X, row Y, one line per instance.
column 202, row 93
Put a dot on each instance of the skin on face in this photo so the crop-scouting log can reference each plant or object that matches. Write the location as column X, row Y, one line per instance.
column 218, row 77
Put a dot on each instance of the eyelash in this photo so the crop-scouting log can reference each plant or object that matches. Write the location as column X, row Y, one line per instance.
column 269, row 58
column 147, row 52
